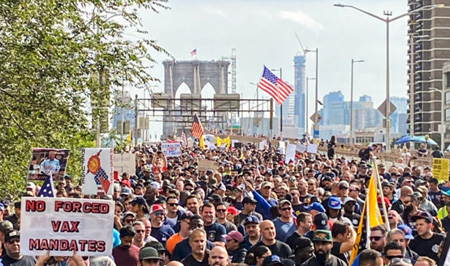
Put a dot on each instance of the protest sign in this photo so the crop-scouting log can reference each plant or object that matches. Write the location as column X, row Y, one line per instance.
column 125, row 163
column 97, row 171
column 440, row 168
column 62, row 226
column 282, row 147
column 45, row 161
column 290, row 153
column 262, row 145
column 204, row 165
column 311, row 148
column 171, row 149
column 300, row 147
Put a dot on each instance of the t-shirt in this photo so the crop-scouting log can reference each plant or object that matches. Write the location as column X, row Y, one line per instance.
column 427, row 247
column 434, row 197
column 279, row 248
column 172, row 241
column 24, row 261
column 190, row 261
column 283, row 229
column 215, row 232
column 332, row 261
column 124, row 256
column 290, row 241
column 162, row 233
column 446, row 224
column 229, row 226
column 336, row 251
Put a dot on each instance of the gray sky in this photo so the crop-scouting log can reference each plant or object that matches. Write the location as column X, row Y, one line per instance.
column 263, row 32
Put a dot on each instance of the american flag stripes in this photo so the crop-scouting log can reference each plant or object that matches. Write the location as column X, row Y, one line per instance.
column 274, row 86
column 184, row 139
column 194, row 52
column 196, row 128
column 100, row 173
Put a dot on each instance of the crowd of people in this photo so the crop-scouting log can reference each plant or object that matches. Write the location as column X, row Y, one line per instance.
column 254, row 208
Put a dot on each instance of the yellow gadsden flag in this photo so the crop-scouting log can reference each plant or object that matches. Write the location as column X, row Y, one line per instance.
column 225, row 141
column 372, row 212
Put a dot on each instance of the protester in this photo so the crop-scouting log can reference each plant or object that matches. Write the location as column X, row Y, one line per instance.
column 322, row 249
column 126, row 253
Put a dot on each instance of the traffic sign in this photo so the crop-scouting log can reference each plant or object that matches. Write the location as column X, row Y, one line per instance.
column 382, row 108
column 315, row 117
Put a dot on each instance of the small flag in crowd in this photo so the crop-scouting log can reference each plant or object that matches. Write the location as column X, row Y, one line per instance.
column 47, row 188
column 194, row 52
column 274, row 86
column 196, row 129
column 184, row 138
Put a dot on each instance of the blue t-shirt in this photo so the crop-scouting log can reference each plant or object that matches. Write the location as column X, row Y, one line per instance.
column 283, row 229
column 182, row 249
column 215, row 232
column 116, row 238
column 162, row 233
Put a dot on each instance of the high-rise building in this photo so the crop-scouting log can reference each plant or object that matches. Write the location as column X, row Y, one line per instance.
column 299, row 89
column 332, row 97
column 128, row 114
column 429, row 42
column 398, row 118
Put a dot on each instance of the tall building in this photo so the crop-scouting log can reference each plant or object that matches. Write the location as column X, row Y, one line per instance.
column 429, row 42
column 398, row 118
column 299, row 89
column 128, row 114
column 328, row 100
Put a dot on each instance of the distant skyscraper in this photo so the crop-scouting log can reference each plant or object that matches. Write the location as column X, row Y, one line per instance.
column 299, row 90
column 328, row 100
column 398, row 118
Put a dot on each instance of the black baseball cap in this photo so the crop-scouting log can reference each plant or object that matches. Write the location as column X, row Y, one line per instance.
column 248, row 200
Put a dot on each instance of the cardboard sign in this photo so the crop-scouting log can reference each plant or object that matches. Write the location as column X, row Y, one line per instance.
column 440, row 168
column 171, row 149
column 290, row 153
column 125, row 163
column 204, row 165
column 300, row 147
column 63, row 225
column 97, row 171
column 45, row 161
column 311, row 148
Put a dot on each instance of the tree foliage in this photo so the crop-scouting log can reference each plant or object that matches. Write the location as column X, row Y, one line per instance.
column 53, row 55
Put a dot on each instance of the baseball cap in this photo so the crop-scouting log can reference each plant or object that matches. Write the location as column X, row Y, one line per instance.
column 30, row 185
column 321, row 221
column 272, row 260
column 423, row 215
column 322, row 235
column 302, row 242
column 125, row 214
column 186, row 215
column 343, row 185
column 125, row 191
column 232, row 210
column 315, row 206
column 148, row 253
column 407, row 230
column 386, row 183
column 156, row 207
column 348, row 199
column 138, row 201
column 235, row 235
column 266, row 184
column 386, row 201
column 156, row 245
column 251, row 219
column 11, row 235
column 334, row 203
column 283, row 202
column 6, row 226
column 248, row 200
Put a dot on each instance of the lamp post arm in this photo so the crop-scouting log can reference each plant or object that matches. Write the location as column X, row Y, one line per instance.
column 365, row 12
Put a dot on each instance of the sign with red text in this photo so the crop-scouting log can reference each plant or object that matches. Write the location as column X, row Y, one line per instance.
column 63, row 225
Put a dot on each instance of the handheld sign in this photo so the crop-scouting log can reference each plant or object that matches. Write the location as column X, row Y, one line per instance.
column 97, row 170
column 171, row 149
column 440, row 168
column 290, row 153
column 63, row 225
column 45, row 162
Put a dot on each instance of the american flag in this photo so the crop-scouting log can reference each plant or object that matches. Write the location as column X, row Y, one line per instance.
column 184, row 139
column 193, row 52
column 196, row 129
column 102, row 174
column 274, row 86
column 47, row 188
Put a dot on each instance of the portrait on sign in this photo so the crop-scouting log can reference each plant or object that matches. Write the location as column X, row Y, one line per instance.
column 46, row 161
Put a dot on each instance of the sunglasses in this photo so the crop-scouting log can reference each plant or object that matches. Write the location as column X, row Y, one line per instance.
column 140, row 231
column 221, row 210
column 159, row 213
column 394, row 257
column 129, row 220
column 375, row 238
column 286, row 209
column 12, row 241
column 173, row 204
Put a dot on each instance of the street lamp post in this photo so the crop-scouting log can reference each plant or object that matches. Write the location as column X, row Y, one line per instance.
column 351, row 101
column 306, row 105
column 388, row 20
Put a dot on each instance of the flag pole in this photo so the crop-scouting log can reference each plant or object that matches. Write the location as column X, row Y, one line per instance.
column 380, row 188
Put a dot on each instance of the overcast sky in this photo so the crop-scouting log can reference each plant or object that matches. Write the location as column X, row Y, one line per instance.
column 263, row 32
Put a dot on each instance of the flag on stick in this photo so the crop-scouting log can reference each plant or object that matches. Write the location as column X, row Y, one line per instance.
column 184, row 138
column 196, row 128
column 274, row 86
column 47, row 188
column 194, row 52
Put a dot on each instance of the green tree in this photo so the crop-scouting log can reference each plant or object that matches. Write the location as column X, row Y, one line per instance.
column 52, row 53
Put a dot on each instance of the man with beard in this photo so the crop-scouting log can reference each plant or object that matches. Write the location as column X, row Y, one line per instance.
column 378, row 238
column 322, row 249
column 405, row 194
column 192, row 204
column 426, row 243
column 284, row 225
column 252, row 232
column 159, row 230
column 402, row 236
column 126, row 254
column 12, row 248
column 248, row 209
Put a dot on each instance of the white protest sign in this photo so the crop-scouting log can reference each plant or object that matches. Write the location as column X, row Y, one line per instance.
column 63, row 225
column 282, row 147
column 98, row 171
column 290, row 153
column 300, row 147
column 262, row 145
column 171, row 149
column 312, row 148
column 125, row 163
